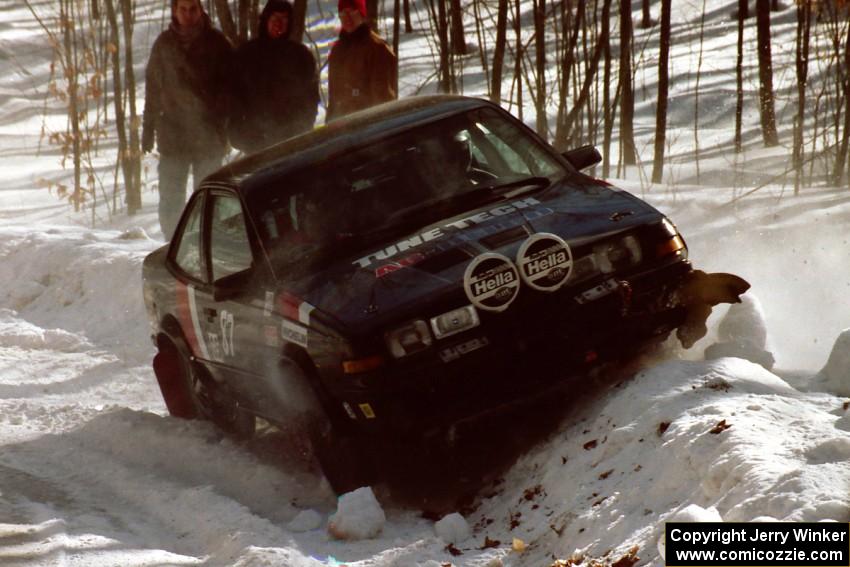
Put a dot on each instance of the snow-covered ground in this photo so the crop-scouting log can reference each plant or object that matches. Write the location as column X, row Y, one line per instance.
column 94, row 473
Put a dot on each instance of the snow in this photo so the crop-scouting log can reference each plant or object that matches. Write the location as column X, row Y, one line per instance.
column 358, row 516
column 453, row 528
column 94, row 473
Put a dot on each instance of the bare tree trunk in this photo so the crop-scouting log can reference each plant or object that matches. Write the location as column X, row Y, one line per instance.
column 134, row 194
column 519, row 55
column 804, row 21
column 299, row 15
column 225, row 18
column 372, row 13
column 254, row 17
column 739, row 77
column 445, row 53
column 590, row 75
column 540, row 57
column 841, row 157
column 396, row 32
column 67, row 24
column 408, row 25
column 499, row 52
column 646, row 18
column 458, row 40
column 608, row 119
column 118, row 96
column 663, row 87
column 570, row 30
column 766, row 103
column 244, row 10
column 627, row 98
column 696, row 89
column 482, row 44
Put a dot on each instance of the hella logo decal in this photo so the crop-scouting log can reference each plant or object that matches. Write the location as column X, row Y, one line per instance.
column 545, row 262
column 491, row 282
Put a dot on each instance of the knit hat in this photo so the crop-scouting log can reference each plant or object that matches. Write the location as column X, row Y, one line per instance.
column 359, row 5
column 273, row 7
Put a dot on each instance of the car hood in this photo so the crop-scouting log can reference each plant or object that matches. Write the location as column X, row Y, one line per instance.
column 412, row 275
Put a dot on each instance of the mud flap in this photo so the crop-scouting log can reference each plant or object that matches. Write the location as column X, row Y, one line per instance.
column 173, row 386
column 698, row 293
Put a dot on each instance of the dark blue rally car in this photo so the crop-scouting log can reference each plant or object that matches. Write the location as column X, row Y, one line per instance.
column 423, row 263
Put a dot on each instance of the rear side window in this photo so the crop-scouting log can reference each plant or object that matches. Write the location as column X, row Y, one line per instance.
column 230, row 250
column 188, row 256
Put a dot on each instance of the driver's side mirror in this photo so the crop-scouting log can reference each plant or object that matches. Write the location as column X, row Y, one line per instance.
column 232, row 285
column 583, row 157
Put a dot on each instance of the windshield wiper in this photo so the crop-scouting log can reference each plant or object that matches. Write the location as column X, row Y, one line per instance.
column 519, row 186
column 479, row 195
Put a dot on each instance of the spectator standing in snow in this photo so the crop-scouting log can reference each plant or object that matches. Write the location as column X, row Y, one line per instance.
column 276, row 84
column 361, row 66
column 185, row 105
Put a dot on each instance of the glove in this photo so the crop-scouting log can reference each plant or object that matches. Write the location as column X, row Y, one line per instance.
column 147, row 140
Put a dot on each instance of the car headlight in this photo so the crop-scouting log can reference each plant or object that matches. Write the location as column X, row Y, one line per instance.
column 408, row 339
column 455, row 321
column 673, row 243
column 617, row 254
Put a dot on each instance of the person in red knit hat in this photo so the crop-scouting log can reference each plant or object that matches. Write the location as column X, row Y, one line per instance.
column 362, row 68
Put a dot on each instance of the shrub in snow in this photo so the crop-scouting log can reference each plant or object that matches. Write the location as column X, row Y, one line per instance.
column 358, row 516
column 742, row 333
column 305, row 521
column 835, row 376
column 453, row 528
column 690, row 513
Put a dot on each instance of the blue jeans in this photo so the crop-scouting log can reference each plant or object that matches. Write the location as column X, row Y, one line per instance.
column 173, row 176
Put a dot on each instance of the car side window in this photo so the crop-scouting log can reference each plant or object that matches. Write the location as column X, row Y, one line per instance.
column 230, row 249
column 188, row 255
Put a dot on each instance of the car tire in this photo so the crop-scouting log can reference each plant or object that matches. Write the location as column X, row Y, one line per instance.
column 345, row 460
column 187, row 393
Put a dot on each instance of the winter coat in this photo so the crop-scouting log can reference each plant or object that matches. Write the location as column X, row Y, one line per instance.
column 361, row 72
column 186, row 93
column 275, row 94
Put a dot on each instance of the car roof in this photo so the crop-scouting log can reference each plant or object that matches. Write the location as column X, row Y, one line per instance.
column 355, row 130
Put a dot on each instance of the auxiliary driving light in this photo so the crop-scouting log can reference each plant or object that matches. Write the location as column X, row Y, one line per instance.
column 455, row 321
column 408, row 339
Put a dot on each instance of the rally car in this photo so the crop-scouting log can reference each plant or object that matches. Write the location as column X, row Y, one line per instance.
column 405, row 269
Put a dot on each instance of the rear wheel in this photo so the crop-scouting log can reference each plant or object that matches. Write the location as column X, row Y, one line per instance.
column 190, row 392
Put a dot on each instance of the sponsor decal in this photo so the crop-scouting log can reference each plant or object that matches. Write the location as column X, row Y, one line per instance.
column 491, row 282
column 294, row 308
column 414, row 258
column 271, row 336
column 545, row 262
column 454, row 352
column 367, row 410
column 293, row 333
column 439, row 232
column 187, row 311
column 597, row 292
column 268, row 306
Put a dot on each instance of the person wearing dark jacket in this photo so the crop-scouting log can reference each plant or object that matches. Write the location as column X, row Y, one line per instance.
column 185, row 105
column 362, row 68
column 276, row 84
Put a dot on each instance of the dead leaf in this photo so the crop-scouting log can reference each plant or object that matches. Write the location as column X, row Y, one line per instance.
column 629, row 559
column 720, row 427
column 662, row 427
column 589, row 445
column 488, row 543
column 451, row 549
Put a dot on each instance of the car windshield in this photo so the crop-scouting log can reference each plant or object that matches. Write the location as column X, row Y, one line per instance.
column 441, row 168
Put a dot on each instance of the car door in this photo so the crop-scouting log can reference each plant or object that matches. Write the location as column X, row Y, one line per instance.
column 236, row 314
column 187, row 262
